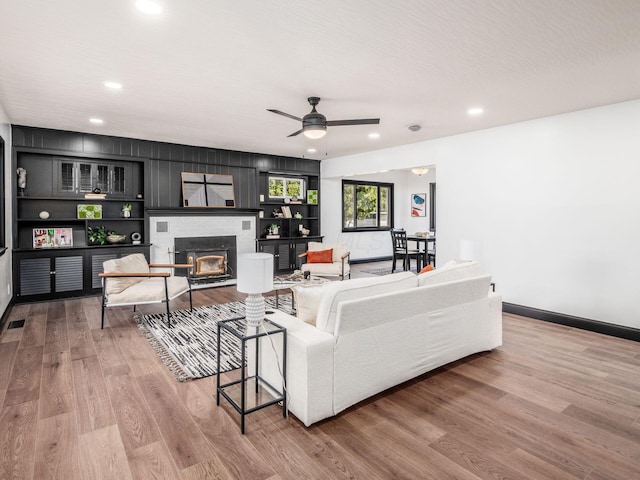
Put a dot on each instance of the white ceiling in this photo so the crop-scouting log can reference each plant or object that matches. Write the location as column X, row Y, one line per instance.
column 206, row 71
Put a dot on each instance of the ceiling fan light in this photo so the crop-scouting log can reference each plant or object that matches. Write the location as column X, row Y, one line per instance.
column 315, row 132
column 419, row 170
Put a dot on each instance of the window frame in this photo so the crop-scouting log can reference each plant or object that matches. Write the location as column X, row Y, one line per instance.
column 285, row 180
column 378, row 185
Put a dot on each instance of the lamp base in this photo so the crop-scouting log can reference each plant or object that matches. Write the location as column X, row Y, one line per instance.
column 254, row 309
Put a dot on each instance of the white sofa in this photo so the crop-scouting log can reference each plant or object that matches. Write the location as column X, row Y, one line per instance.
column 373, row 333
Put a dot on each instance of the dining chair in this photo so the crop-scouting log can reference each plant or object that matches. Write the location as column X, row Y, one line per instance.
column 430, row 254
column 401, row 250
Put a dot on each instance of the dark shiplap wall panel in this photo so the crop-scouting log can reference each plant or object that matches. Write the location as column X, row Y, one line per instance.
column 167, row 161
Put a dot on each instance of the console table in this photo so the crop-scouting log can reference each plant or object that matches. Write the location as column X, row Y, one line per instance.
column 251, row 392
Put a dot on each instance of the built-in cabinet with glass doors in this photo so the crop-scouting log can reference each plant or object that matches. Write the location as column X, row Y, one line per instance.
column 60, row 203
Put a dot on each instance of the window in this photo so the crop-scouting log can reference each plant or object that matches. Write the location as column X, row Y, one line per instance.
column 366, row 206
column 284, row 187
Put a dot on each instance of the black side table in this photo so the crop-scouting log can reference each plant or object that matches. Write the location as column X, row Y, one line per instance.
column 251, row 393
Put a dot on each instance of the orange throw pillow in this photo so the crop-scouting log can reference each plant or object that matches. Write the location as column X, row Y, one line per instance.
column 322, row 256
column 426, row 269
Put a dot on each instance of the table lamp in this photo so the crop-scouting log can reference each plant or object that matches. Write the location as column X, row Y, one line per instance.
column 470, row 250
column 255, row 277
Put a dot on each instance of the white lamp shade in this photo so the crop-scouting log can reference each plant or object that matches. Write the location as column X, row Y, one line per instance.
column 470, row 250
column 255, row 272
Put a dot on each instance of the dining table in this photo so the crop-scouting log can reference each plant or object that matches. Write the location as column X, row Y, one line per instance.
column 419, row 239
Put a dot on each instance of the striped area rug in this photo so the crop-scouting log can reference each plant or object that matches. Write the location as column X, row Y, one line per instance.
column 189, row 347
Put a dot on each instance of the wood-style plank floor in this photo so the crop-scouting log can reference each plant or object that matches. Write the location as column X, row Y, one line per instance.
column 78, row 402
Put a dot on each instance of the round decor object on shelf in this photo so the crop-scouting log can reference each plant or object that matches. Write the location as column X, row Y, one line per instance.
column 44, row 214
column 136, row 238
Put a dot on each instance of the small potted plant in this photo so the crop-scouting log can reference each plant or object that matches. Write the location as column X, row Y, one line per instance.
column 126, row 210
column 274, row 229
column 98, row 235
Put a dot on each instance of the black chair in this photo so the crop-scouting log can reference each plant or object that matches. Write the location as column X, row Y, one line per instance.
column 401, row 250
column 430, row 254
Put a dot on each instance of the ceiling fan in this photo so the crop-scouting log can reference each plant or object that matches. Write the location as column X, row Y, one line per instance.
column 314, row 124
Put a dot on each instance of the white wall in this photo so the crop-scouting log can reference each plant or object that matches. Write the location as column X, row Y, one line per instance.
column 554, row 202
column 5, row 260
column 366, row 245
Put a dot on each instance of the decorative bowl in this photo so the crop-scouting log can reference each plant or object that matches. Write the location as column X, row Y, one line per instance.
column 114, row 238
column 305, row 232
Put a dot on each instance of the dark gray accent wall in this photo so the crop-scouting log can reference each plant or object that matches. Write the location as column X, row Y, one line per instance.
column 164, row 161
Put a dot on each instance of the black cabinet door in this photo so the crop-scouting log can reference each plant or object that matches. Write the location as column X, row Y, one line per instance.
column 73, row 177
column 285, row 253
column 50, row 275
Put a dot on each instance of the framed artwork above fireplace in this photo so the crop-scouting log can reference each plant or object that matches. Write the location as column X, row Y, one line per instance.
column 207, row 190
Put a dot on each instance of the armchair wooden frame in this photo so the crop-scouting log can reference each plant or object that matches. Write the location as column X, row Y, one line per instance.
column 163, row 275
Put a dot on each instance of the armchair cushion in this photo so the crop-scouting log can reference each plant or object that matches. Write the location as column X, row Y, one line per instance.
column 135, row 263
column 149, row 290
column 321, row 256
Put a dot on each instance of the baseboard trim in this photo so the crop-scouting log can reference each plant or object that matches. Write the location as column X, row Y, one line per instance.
column 571, row 321
column 5, row 315
column 369, row 260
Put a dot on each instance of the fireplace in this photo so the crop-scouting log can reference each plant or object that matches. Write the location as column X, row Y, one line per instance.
column 210, row 265
column 214, row 258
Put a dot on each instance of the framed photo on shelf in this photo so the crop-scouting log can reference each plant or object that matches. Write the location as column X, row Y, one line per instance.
column 52, row 237
column 418, row 204
column 312, row 197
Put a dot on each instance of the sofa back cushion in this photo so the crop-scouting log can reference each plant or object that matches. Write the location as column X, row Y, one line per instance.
column 339, row 249
column 135, row 263
column 336, row 292
column 451, row 271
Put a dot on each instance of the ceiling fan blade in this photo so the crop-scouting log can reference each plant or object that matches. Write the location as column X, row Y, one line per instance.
column 295, row 133
column 362, row 121
column 284, row 114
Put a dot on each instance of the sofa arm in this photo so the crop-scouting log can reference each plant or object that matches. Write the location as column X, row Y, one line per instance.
column 309, row 367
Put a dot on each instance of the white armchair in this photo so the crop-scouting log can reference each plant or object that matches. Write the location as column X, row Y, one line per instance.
column 129, row 281
column 335, row 265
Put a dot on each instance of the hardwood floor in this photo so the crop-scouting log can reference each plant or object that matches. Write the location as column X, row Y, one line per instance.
column 78, row 402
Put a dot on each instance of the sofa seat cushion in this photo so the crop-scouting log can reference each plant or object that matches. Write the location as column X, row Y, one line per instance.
column 451, row 271
column 337, row 292
column 149, row 290
column 135, row 263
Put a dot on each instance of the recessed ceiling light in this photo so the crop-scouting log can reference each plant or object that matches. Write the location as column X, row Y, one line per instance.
column 149, row 7
column 113, row 85
column 312, row 150
column 96, row 121
column 475, row 111
column 374, row 135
